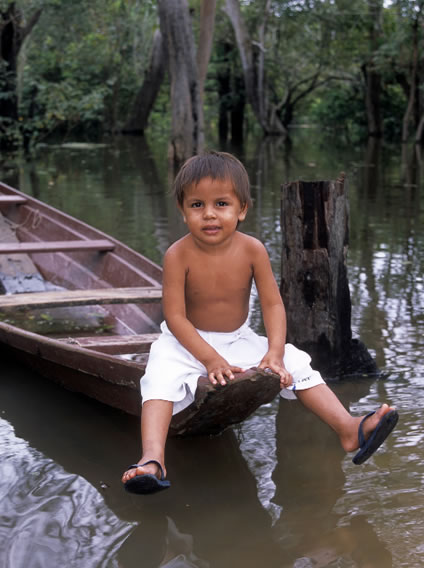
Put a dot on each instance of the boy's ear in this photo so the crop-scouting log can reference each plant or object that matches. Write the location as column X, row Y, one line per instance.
column 243, row 212
column 180, row 209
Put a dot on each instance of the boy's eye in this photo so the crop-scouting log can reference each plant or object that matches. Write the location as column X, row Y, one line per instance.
column 222, row 203
column 196, row 204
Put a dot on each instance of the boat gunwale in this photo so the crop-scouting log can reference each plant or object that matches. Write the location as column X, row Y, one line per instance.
column 121, row 250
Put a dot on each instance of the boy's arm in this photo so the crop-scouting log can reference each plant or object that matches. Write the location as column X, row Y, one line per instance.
column 273, row 313
column 173, row 290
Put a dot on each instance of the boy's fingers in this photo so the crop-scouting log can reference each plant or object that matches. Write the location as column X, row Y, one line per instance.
column 212, row 379
column 231, row 370
column 221, row 377
column 286, row 378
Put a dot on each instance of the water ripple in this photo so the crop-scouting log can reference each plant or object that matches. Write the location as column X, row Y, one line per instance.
column 49, row 517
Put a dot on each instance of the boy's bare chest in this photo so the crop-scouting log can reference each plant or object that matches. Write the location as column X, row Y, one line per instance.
column 218, row 278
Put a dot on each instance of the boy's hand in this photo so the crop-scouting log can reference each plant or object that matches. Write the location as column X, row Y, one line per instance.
column 219, row 368
column 276, row 366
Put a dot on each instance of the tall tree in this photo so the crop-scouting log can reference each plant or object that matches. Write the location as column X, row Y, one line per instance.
column 187, row 137
column 252, row 56
column 204, row 49
column 14, row 29
column 145, row 99
column 413, row 75
column 371, row 75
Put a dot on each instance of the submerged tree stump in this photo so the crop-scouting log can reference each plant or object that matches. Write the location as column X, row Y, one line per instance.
column 314, row 282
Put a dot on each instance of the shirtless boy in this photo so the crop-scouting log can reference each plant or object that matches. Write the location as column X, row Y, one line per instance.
column 207, row 279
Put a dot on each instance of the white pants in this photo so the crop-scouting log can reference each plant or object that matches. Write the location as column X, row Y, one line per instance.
column 172, row 372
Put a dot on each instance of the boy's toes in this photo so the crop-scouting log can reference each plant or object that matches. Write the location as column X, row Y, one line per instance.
column 371, row 423
column 148, row 477
column 129, row 474
column 148, row 468
column 372, row 435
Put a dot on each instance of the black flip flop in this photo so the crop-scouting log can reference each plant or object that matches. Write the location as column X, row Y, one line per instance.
column 380, row 433
column 147, row 483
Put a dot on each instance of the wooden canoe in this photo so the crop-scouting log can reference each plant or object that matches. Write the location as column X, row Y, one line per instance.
column 82, row 309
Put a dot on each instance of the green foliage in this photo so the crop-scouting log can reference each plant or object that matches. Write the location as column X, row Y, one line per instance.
column 9, row 128
column 83, row 65
column 393, row 106
column 341, row 111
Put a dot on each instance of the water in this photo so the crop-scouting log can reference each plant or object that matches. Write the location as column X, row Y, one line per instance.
column 276, row 490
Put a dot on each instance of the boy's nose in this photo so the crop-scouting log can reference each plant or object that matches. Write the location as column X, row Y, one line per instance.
column 208, row 212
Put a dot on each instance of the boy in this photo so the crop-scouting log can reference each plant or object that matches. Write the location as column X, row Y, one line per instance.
column 207, row 279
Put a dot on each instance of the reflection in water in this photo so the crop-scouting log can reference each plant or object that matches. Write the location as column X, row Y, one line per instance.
column 179, row 550
column 213, row 496
column 310, row 482
column 278, row 490
column 258, row 446
column 49, row 517
column 174, row 550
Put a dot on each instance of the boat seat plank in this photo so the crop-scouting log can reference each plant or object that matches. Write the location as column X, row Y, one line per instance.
column 12, row 200
column 115, row 344
column 56, row 246
column 54, row 299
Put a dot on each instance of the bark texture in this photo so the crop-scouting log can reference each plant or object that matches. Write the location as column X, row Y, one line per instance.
column 13, row 32
column 252, row 63
column 314, row 282
column 204, row 49
column 187, row 137
column 413, row 84
column 371, row 76
column 137, row 122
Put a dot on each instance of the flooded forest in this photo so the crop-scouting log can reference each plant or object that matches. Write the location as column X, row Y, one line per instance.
column 99, row 105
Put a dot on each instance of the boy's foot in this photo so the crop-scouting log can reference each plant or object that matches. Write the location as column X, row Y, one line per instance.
column 369, row 432
column 144, row 478
column 377, row 437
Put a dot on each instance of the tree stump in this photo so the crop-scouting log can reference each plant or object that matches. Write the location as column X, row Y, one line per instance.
column 314, row 281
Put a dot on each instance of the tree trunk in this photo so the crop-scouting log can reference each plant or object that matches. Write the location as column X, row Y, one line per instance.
column 420, row 130
column 253, row 70
column 204, row 49
column 223, row 79
column 314, row 283
column 187, row 136
column 147, row 94
column 207, row 24
column 238, row 104
column 231, row 95
column 371, row 76
column 12, row 35
column 413, row 82
column 372, row 100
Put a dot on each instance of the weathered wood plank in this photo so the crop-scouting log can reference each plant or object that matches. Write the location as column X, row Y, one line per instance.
column 12, row 200
column 56, row 246
column 114, row 344
column 18, row 273
column 136, row 295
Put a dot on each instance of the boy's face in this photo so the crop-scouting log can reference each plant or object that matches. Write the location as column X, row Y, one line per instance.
column 212, row 210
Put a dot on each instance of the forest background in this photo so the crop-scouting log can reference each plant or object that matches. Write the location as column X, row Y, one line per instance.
column 214, row 69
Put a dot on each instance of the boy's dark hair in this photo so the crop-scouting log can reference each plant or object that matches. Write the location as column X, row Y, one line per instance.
column 216, row 165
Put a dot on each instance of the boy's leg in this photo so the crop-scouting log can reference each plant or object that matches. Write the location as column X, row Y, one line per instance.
column 324, row 403
column 155, row 419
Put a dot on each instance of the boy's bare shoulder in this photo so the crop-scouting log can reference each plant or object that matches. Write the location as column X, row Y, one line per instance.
column 178, row 248
column 254, row 245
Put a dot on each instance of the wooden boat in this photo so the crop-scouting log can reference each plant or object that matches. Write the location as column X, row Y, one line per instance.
column 81, row 308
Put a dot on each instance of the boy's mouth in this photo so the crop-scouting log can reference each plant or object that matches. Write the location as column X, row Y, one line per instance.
column 210, row 229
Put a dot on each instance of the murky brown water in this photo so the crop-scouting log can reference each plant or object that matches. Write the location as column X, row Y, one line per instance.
column 276, row 491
